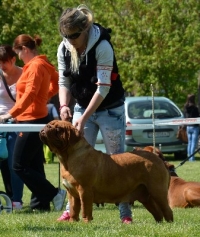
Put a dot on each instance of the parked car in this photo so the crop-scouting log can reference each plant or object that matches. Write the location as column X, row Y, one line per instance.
column 139, row 113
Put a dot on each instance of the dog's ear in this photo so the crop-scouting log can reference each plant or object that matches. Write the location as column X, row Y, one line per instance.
column 148, row 148
column 160, row 154
column 137, row 148
column 72, row 134
column 157, row 151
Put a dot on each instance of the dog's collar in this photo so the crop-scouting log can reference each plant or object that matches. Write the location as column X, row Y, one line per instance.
column 172, row 172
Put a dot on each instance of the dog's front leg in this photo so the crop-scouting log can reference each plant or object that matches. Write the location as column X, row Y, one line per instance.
column 86, row 198
column 192, row 196
column 75, row 207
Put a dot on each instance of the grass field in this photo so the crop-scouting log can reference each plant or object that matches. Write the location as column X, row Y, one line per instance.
column 106, row 221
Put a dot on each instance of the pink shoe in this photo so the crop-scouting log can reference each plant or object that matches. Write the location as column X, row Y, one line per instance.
column 65, row 216
column 127, row 220
column 17, row 205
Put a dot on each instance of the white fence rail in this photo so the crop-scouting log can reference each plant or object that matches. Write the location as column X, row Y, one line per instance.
column 38, row 127
column 21, row 127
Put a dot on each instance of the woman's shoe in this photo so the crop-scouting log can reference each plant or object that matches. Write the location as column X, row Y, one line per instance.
column 64, row 217
column 17, row 205
column 127, row 220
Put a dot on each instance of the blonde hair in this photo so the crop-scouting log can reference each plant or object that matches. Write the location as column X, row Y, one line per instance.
column 80, row 18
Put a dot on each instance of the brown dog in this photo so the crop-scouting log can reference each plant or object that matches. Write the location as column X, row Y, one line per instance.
column 181, row 193
column 94, row 177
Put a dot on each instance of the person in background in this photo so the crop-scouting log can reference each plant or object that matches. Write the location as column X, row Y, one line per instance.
column 88, row 72
column 191, row 111
column 55, row 100
column 11, row 72
column 53, row 114
column 37, row 84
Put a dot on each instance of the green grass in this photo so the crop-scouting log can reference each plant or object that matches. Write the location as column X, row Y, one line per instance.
column 106, row 221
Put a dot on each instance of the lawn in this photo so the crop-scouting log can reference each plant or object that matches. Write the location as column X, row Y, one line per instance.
column 106, row 221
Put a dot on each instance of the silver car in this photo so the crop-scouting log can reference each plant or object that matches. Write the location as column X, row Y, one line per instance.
column 144, row 114
column 140, row 124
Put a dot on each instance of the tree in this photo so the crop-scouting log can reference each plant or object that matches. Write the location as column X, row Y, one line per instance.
column 156, row 41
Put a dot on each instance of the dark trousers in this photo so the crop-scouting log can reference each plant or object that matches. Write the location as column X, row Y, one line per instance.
column 28, row 163
column 5, row 172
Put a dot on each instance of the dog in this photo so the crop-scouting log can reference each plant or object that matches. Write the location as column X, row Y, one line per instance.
column 91, row 176
column 181, row 193
column 151, row 149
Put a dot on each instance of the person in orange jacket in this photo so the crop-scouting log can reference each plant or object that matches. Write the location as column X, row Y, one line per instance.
column 37, row 84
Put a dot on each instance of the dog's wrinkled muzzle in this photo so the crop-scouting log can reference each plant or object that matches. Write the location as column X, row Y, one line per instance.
column 44, row 133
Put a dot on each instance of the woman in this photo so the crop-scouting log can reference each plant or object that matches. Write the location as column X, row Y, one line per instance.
column 191, row 111
column 37, row 84
column 11, row 73
column 88, row 72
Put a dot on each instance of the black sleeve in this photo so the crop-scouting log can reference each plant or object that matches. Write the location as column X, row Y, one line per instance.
column 195, row 112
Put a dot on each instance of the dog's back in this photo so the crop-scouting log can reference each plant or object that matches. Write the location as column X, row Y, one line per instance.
column 129, row 171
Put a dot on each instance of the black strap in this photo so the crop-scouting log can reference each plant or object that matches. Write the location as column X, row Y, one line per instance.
column 182, row 162
column 6, row 86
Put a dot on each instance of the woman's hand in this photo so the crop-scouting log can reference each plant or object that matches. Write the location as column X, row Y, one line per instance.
column 79, row 125
column 65, row 113
column 4, row 118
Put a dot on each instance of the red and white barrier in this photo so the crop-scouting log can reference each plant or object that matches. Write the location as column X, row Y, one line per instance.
column 158, row 123
column 186, row 121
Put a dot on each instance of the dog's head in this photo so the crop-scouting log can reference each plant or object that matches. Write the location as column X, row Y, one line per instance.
column 158, row 152
column 59, row 135
column 171, row 168
column 152, row 150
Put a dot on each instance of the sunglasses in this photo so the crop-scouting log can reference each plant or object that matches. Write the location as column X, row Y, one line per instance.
column 73, row 36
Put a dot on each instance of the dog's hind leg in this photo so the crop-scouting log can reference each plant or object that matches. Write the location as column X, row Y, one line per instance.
column 162, row 202
column 153, row 208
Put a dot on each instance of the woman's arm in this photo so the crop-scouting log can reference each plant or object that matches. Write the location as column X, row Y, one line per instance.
column 64, row 86
column 104, row 57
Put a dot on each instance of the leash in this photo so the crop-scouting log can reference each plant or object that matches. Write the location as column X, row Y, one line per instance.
column 153, row 119
column 183, row 162
column 153, row 122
